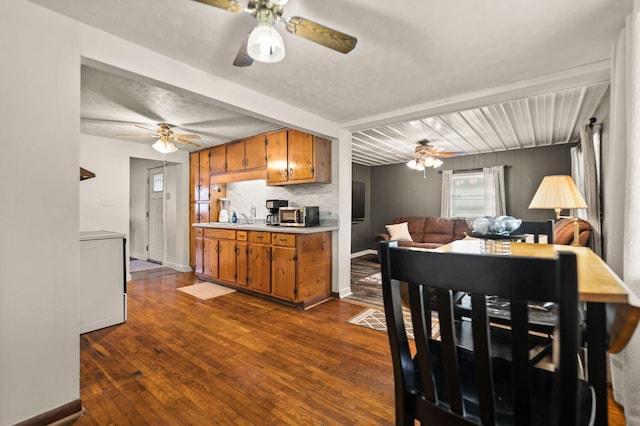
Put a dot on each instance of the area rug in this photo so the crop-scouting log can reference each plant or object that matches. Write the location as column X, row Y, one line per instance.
column 136, row 265
column 372, row 279
column 375, row 319
column 206, row 291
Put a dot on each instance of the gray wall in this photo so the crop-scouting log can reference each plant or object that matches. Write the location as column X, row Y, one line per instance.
column 361, row 231
column 397, row 190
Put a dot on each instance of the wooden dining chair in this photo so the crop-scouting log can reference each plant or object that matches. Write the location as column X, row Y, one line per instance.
column 440, row 382
column 536, row 229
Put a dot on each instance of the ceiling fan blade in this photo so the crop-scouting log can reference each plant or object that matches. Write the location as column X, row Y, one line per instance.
column 184, row 141
column 448, row 154
column 136, row 135
column 320, row 34
column 186, row 136
column 242, row 58
column 230, row 5
column 148, row 130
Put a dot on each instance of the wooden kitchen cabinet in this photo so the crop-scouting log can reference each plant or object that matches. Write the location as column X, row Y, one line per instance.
column 295, row 157
column 283, row 266
column 293, row 268
column 199, row 212
column 199, row 175
column 227, row 260
column 210, row 257
column 218, row 159
column 219, row 254
column 197, row 249
column 247, row 154
column 260, row 261
column 242, row 259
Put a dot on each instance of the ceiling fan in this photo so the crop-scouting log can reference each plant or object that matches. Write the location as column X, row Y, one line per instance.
column 264, row 43
column 166, row 137
column 428, row 155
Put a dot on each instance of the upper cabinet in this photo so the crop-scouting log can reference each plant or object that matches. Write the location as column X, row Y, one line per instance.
column 283, row 157
column 296, row 157
column 218, row 162
column 247, row 154
column 199, row 180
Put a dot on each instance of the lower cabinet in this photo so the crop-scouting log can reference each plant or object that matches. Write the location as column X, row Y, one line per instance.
column 292, row 268
column 260, row 261
column 215, row 253
column 283, row 266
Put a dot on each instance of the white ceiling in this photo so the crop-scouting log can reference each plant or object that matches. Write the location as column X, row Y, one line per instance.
column 414, row 60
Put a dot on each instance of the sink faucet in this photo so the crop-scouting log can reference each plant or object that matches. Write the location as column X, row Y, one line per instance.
column 246, row 218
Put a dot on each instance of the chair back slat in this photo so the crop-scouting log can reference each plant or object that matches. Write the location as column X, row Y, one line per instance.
column 421, row 317
column 520, row 358
column 449, row 355
column 449, row 382
column 484, row 372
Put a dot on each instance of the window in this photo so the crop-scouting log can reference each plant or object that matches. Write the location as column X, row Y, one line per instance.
column 158, row 182
column 467, row 195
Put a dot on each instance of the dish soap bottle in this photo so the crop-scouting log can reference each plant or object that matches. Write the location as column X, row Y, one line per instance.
column 234, row 217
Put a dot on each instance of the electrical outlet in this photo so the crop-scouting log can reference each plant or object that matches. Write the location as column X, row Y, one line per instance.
column 107, row 202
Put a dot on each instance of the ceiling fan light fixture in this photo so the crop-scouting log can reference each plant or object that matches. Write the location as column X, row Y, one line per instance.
column 280, row 2
column 437, row 163
column 164, row 146
column 265, row 44
column 412, row 164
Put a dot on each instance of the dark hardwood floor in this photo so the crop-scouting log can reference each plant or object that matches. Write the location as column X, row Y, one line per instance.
column 236, row 359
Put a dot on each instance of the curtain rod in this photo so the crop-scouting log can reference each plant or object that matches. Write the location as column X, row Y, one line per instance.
column 478, row 169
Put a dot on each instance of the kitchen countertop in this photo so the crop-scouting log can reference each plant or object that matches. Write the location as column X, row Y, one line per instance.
column 327, row 226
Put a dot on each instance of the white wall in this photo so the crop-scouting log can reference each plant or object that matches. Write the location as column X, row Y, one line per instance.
column 39, row 177
column 110, row 160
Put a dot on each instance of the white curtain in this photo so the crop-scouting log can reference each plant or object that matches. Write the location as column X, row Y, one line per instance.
column 621, row 202
column 578, row 177
column 585, row 171
column 445, row 204
column 494, row 196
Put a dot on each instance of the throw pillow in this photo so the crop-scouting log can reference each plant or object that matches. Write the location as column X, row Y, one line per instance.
column 399, row 232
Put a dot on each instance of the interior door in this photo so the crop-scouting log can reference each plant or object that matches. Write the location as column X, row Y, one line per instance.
column 155, row 214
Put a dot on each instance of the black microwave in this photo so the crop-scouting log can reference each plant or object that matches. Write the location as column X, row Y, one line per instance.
column 299, row 216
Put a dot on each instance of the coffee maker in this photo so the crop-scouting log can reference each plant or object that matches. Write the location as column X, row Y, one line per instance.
column 273, row 218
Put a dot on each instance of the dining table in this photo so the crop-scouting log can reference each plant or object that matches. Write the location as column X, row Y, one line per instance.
column 612, row 309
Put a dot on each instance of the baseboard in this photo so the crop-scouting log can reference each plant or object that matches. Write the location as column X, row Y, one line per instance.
column 363, row 252
column 343, row 293
column 138, row 256
column 64, row 414
column 177, row 267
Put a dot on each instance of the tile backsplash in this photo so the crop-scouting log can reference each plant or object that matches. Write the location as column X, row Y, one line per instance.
column 255, row 193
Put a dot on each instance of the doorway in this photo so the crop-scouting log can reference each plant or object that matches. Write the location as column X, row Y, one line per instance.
column 156, row 214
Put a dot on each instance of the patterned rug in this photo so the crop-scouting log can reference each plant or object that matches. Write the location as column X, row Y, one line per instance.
column 206, row 291
column 136, row 265
column 375, row 319
column 372, row 279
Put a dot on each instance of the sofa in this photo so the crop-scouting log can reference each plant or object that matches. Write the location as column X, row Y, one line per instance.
column 563, row 232
column 425, row 232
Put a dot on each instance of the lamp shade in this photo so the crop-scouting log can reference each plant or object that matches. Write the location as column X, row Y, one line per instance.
column 164, row 146
column 265, row 44
column 557, row 192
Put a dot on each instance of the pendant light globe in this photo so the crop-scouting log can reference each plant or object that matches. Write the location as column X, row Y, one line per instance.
column 265, row 44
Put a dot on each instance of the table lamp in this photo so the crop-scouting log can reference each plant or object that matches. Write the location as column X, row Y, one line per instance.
column 558, row 193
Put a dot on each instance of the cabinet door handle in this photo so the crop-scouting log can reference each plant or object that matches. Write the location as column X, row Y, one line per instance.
column 291, row 172
column 285, row 173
